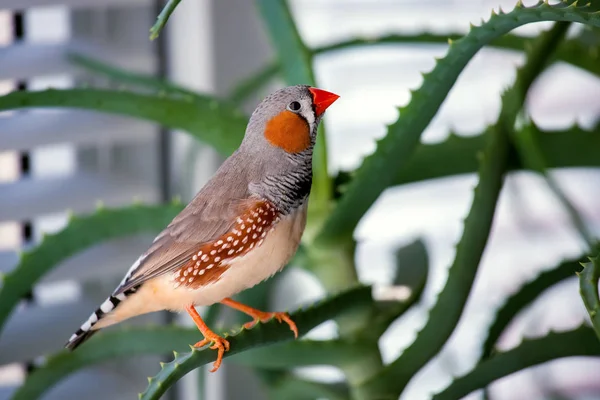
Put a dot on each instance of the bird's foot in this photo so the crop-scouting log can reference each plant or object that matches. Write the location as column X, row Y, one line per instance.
column 265, row 316
column 218, row 343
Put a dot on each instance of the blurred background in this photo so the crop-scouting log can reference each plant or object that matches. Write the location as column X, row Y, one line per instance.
column 52, row 161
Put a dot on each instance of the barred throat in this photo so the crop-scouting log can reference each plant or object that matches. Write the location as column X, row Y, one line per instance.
column 289, row 191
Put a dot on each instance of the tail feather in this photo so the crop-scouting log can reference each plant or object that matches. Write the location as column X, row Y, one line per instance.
column 86, row 330
column 78, row 337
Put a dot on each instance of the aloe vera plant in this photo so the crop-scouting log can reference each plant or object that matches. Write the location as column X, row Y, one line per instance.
column 337, row 205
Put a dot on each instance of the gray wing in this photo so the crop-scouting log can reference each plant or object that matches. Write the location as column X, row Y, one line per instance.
column 208, row 216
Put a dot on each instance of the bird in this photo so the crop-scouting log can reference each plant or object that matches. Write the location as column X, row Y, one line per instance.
column 240, row 229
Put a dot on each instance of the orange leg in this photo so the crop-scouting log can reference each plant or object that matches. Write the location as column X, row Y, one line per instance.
column 219, row 343
column 260, row 315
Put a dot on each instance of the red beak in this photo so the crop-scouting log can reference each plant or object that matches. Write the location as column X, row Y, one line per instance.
column 322, row 99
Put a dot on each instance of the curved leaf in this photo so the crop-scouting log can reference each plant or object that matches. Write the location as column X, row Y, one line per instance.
column 394, row 150
column 132, row 341
column 210, row 120
column 104, row 346
column 523, row 298
column 79, row 234
column 260, row 335
column 573, row 51
column 578, row 342
column 573, row 147
column 588, row 286
column 303, row 353
column 456, row 155
column 128, row 77
column 445, row 314
column 289, row 387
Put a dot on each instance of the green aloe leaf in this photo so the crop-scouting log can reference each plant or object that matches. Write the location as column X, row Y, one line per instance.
column 132, row 341
column 578, row 342
column 284, row 385
column 573, row 51
column 446, row 312
column 523, row 297
column 588, row 286
column 81, row 233
column 458, row 154
column 302, row 353
column 260, row 335
column 393, row 152
column 296, row 68
column 212, row 121
column 127, row 77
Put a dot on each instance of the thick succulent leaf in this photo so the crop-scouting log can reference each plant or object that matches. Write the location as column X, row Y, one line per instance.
column 523, row 297
column 104, row 346
column 260, row 335
column 128, row 342
column 573, row 51
column 446, row 312
column 578, row 342
column 299, row 353
column 128, row 77
column 458, row 154
column 81, row 233
column 285, row 385
column 296, row 68
column 210, row 120
column 162, row 18
column 588, row 287
column 393, row 152
column 294, row 57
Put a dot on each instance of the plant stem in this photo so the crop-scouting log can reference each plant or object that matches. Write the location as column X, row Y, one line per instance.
column 163, row 17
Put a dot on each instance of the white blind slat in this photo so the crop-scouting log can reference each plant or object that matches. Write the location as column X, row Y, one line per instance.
column 17, row 5
column 26, row 60
column 110, row 259
column 80, row 192
column 25, row 131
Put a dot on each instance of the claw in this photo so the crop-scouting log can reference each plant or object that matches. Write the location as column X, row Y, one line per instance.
column 218, row 343
column 279, row 316
column 261, row 316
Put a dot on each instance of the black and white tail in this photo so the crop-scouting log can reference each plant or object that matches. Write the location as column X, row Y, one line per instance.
column 86, row 330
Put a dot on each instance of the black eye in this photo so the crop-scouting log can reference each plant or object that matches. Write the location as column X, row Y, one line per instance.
column 294, row 106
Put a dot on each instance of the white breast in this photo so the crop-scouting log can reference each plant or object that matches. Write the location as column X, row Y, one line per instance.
column 263, row 262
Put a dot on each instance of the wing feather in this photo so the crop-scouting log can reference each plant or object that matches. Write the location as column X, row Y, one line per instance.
column 209, row 215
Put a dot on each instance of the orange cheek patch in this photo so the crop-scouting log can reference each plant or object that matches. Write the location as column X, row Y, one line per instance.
column 288, row 131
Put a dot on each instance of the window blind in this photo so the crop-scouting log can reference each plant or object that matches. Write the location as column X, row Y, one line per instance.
column 73, row 160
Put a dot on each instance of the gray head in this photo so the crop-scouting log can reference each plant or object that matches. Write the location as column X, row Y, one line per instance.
column 287, row 120
column 274, row 160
